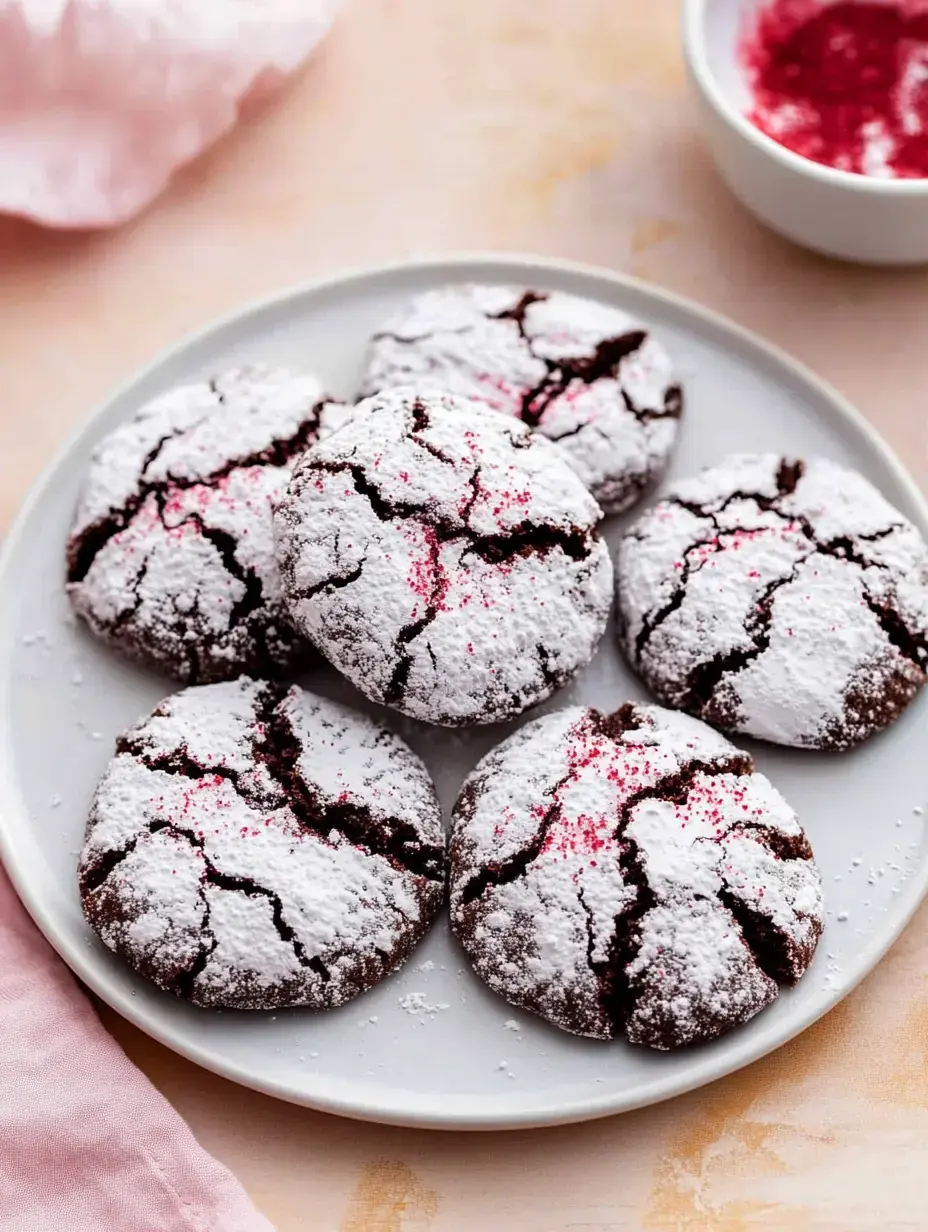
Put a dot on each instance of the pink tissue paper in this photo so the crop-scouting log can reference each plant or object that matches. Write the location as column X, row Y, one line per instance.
column 101, row 100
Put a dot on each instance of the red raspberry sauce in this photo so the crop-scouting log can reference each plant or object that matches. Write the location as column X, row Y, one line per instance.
column 844, row 84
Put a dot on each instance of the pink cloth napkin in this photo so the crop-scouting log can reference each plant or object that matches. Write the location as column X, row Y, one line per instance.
column 102, row 100
column 86, row 1142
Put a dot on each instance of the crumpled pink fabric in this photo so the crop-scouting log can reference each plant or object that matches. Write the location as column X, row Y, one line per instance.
column 102, row 100
column 86, row 1142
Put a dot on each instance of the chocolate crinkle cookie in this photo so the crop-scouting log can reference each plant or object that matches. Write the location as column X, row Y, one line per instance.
column 631, row 875
column 784, row 599
column 444, row 558
column 252, row 847
column 171, row 556
column 583, row 373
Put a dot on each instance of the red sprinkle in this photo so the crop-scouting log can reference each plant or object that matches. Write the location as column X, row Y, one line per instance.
column 843, row 84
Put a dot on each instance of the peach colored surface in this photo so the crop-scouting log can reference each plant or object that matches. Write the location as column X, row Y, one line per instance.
column 561, row 126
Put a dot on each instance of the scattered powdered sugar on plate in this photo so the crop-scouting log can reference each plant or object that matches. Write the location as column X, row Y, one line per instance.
column 417, row 1004
column 780, row 598
column 631, row 874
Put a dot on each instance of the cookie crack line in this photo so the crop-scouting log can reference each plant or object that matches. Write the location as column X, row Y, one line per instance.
column 611, row 726
column 287, row 934
column 92, row 878
column 705, row 678
column 654, row 619
column 780, row 846
column 84, row 547
column 787, row 478
column 898, row 634
column 396, row 686
column 617, row 997
column 499, row 874
column 177, row 762
column 768, row 944
column 336, row 582
column 126, row 615
column 524, row 539
column 394, row 840
column 413, row 339
column 420, row 424
column 551, row 676
column 517, row 314
column 225, row 545
column 589, row 924
column 493, row 875
column 277, row 749
column 184, row 982
column 603, row 363
column 223, row 881
column 844, row 548
column 584, row 425
column 474, row 485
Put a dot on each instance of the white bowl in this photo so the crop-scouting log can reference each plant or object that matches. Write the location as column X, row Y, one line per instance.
column 837, row 213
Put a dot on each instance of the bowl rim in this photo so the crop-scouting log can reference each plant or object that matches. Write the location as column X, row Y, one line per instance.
column 694, row 51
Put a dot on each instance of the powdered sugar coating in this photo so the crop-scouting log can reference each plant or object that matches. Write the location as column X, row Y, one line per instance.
column 583, row 373
column 783, row 599
column 252, row 847
column 444, row 558
column 171, row 555
column 632, row 875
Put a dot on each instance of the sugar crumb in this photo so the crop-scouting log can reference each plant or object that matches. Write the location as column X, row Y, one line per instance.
column 417, row 1004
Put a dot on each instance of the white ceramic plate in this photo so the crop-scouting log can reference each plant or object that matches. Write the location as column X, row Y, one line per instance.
column 465, row 1060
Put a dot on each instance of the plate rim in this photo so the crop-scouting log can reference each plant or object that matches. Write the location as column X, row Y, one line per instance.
column 471, row 1112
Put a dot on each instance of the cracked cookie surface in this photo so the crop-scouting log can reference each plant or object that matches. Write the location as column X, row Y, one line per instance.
column 251, row 847
column 444, row 558
column 780, row 598
column 171, row 556
column 584, row 374
column 631, row 875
